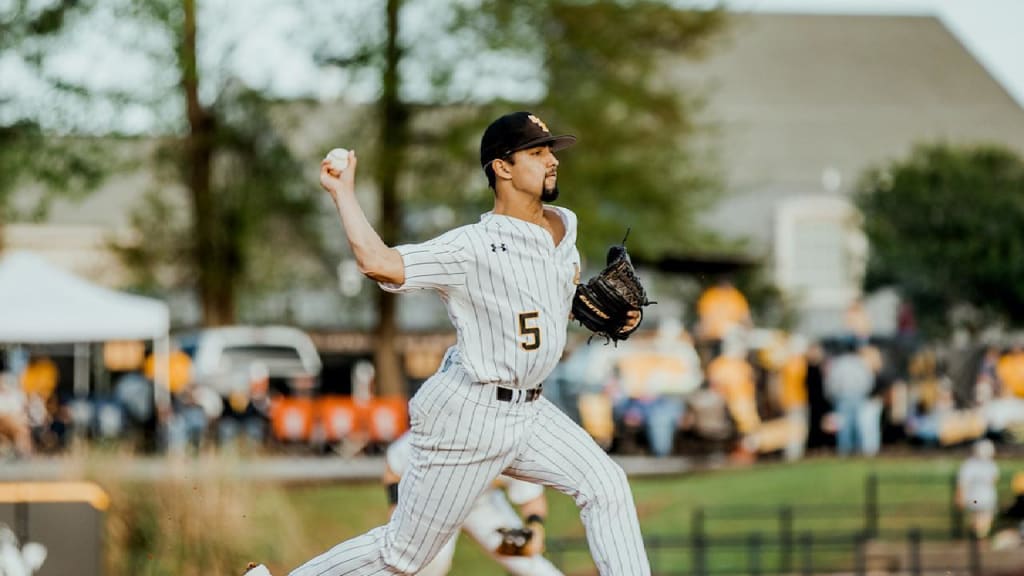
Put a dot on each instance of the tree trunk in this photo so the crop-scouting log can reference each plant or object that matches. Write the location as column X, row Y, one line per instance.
column 394, row 135
column 215, row 284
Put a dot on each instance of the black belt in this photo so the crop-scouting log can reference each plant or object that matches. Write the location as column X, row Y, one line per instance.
column 507, row 394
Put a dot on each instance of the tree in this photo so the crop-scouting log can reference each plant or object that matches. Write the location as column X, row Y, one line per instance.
column 600, row 66
column 61, row 166
column 944, row 228
column 243, row 182
column 607, row 67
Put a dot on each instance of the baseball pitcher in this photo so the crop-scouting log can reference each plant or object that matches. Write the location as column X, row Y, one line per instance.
column 510, row 282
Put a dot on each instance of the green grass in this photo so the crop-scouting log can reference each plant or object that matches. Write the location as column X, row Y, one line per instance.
column 737, row 501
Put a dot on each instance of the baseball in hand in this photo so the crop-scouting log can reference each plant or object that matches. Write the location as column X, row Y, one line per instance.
column 338, row 158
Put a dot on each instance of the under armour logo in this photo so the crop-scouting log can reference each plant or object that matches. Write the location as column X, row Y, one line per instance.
column 495, row 247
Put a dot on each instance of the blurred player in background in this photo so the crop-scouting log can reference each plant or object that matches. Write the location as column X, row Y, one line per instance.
column 491, row 515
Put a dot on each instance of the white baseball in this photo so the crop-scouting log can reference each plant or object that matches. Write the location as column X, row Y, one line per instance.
column 338, row 158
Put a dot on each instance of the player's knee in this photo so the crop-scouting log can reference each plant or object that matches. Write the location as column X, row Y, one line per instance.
column 413, row 561
column 607, row 486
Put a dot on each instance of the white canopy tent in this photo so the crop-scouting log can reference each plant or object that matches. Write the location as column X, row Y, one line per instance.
column 42, row 304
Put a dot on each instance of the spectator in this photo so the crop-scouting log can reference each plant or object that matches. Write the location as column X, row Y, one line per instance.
column 794, row 397
column 848, row 383
column 732, row 377
column 583, row 378
column 721, row 309
column 39, row 384
column 14, row 424
column 986, row 384
column 818, row 403
column 1010, row 371
column 870, row 414
column 976, row 488
column 857, row 322
column 656, row 377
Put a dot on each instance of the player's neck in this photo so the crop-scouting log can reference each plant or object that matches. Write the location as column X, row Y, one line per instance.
column 521, row 206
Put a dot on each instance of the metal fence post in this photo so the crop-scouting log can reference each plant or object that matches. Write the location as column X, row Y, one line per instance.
column 785, row 539
column 21, row 530
column 975, row 555
column 956, row 519
column 871, row 505
column 807, row 545
column 699, row 543
column 860, row 559
column 754, row 553
column 914, row 542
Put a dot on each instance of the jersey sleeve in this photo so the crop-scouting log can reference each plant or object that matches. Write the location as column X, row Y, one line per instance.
column 520, row 492
column 438, row 264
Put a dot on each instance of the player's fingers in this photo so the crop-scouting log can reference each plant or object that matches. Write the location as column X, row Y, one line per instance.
column 326, row 168
column 353, row 163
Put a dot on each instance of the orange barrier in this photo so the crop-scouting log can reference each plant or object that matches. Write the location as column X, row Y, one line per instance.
column 291, row 419
column 338, row 417
column 381, row 419
column 386, row 418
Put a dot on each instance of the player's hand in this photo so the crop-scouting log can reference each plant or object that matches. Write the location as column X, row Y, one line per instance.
column 632, row 319
column 335, row 182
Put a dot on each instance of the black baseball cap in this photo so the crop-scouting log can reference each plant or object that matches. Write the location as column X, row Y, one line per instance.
column 518, row 131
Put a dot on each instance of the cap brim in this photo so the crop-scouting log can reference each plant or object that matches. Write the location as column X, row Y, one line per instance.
column 556, row 142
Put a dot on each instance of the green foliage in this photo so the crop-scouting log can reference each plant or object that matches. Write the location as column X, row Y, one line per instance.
column 603, row 71
column 260, row 192
column 24, row 23
column 604, row 63
column 944, row 226
column 58, row 166
column 205, row 524
column 65, row 167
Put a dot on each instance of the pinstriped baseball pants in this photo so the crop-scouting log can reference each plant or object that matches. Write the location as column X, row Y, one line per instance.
column 462, row 437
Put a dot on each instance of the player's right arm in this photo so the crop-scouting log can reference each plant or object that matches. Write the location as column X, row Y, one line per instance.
column 375, row 258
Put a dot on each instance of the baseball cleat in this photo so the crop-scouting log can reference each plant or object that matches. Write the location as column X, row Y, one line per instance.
column 254, row 569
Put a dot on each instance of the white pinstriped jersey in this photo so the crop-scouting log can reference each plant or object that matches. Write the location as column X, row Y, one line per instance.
column 508, row 289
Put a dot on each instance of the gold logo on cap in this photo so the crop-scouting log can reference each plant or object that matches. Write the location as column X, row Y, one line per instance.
column 540, row 123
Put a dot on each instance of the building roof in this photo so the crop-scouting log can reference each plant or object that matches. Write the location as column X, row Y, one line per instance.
column 794, row 97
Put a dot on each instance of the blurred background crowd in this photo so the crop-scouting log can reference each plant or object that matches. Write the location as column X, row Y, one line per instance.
column 717, row 387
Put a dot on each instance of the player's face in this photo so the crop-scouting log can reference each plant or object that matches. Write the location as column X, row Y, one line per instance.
column 536, row 171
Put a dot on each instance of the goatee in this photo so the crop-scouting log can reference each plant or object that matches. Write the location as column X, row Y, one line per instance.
column 549, row 194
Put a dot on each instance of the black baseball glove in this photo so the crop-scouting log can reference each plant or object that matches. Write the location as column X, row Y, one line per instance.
column 603, row 304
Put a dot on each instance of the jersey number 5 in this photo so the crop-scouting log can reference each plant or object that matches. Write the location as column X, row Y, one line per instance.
column 530, row 330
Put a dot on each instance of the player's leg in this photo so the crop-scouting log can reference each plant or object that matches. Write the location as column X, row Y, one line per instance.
column 441, row 563
column 449, row 467
column 556, row 452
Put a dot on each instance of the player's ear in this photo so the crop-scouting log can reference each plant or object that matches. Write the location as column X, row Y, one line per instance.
column 501, row 168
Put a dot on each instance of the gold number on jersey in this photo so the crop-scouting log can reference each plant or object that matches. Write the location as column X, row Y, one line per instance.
column 530, row 330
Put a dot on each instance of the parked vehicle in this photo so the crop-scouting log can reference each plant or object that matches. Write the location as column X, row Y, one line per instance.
column 222, row 358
